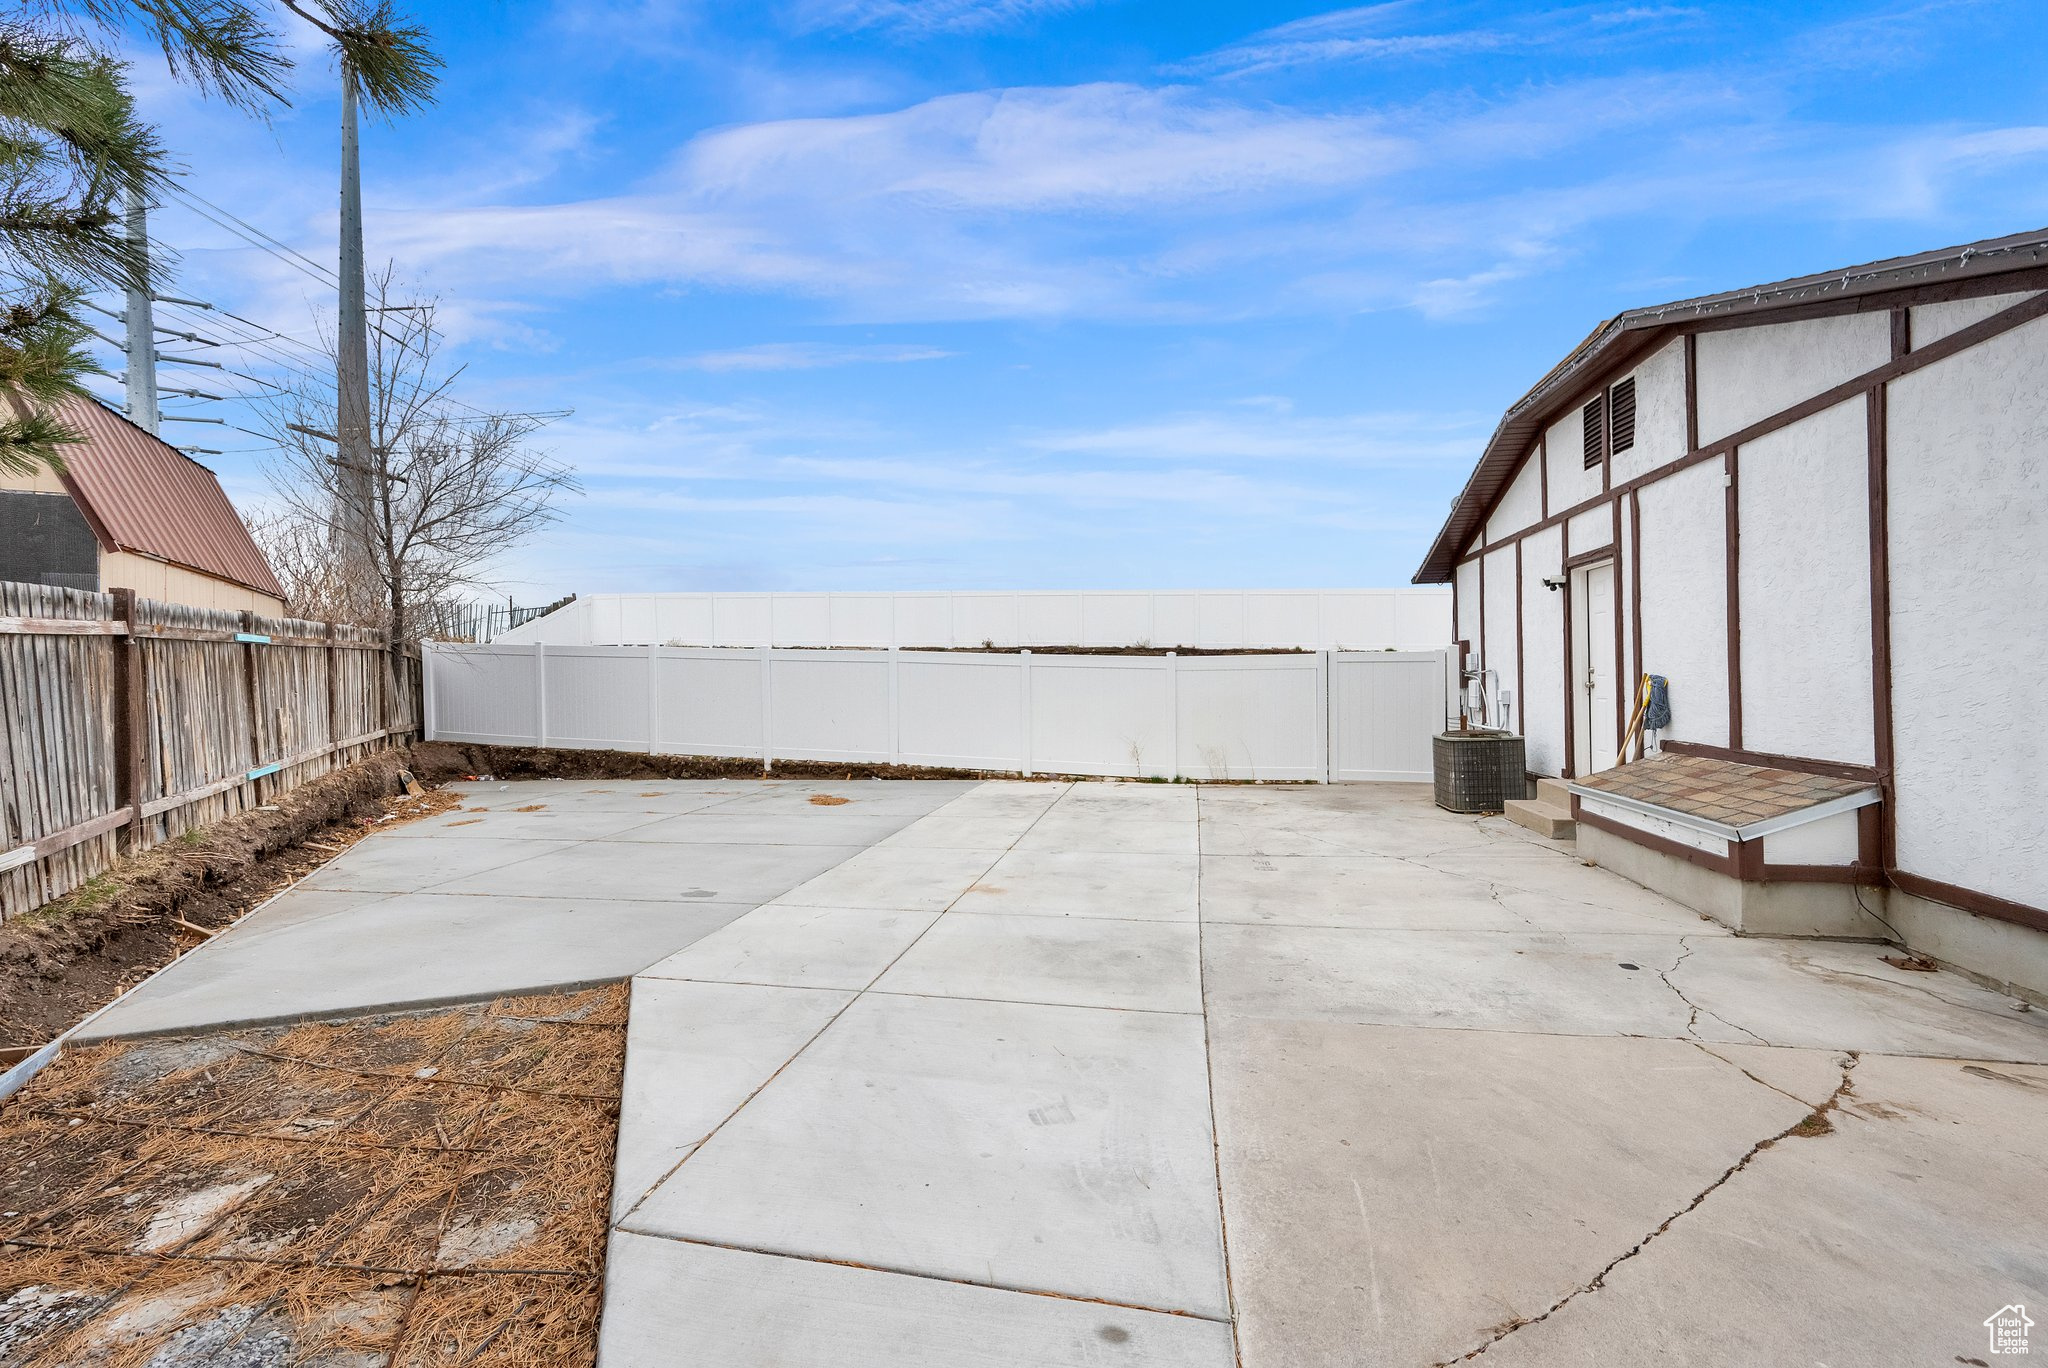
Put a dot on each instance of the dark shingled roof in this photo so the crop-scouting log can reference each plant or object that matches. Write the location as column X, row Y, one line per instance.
column 141, row 494
column 1620, row 337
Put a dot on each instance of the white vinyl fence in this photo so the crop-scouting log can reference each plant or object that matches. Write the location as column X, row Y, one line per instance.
column 1216, row 619
column 1311, row 715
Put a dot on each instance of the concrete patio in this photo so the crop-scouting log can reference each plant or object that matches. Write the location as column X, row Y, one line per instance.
column 1037, row 1073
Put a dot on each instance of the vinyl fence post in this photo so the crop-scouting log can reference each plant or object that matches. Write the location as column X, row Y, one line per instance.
column 767, row 707
column 1324, row 664
column 1172, row 716
column 653, row 692
column 540, row 695
column 427, row 719
column 895, row 699
column 131, row 722
column 1024, row 711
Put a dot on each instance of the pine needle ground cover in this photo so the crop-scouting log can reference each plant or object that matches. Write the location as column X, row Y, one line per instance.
column 421, row 1191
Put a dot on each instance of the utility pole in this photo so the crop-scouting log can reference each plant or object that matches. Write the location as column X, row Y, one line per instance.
column 140, row 344
column 354, row 454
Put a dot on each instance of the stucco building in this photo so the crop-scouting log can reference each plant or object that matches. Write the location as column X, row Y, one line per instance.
column 1819, row 509
column 131, row 511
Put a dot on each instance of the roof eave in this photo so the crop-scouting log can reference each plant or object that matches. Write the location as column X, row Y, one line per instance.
column 1990, row 257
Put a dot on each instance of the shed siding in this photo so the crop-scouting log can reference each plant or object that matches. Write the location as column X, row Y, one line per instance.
column 1968, row 443
column 1521, row 503
column 1589, row 531
column 1468, row 603
column 1660, row 413
column 1805, row 572
column 1932, row 322
column 1570, row 482
column 175, row 584
column 1747, row 374
column 1502, row 647
column 1685, row 600
column 1542, row 712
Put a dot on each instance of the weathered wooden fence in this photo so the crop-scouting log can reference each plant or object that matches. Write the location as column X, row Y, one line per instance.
column 125, row 722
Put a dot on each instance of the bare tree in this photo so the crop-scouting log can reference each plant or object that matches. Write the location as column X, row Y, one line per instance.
column 317, row 583
column 449, row 488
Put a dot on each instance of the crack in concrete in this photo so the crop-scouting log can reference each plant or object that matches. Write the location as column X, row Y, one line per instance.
column 2005, row 1015
column 1814, row 1123
column 1701, row 1046
column 1685, row 953
column 1493, row 892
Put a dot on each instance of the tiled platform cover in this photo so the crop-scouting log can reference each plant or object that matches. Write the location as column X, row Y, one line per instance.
column 1720, row 790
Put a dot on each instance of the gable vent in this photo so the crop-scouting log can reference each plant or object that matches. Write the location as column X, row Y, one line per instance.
column 1621, row 415
column 1595, row 417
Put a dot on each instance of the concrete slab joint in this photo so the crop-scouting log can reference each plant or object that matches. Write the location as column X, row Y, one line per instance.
column 1233, row 1077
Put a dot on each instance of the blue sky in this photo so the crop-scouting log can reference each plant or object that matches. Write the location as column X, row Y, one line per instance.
column 1044, row 293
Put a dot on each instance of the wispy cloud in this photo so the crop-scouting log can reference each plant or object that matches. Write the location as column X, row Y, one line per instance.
column 1404, row 30
column 1352, row 35
column 1276, row 434
column 784, row 356
column 1087, row 148
column 918, row 18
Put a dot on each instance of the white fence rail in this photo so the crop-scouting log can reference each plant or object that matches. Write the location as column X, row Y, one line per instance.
column 1311, row 715
column 1227, row 619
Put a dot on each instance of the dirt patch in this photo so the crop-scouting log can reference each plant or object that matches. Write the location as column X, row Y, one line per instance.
column 420, row 1189
column 443, row 761
column 828, row 800
column 60, row 962
column 1815, row 1124
column 1110, row 650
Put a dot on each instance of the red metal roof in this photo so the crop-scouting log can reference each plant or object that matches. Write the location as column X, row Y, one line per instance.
column 142, row 494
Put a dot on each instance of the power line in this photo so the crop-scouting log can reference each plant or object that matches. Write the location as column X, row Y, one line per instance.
column 253, row 235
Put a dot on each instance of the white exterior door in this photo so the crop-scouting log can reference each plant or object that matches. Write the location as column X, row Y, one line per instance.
column 1598, row 739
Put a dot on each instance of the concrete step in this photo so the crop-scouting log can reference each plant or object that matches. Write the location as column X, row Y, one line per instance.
column 1553, row 792
column 1545, row 819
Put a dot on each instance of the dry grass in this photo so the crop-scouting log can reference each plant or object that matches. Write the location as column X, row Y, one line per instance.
column 424, row 1189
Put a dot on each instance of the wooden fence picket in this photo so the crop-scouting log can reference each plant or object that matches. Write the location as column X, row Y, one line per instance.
column 124, row 722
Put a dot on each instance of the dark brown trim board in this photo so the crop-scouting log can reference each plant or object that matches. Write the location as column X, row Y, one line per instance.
column 1939, row 292
column 2026, row 311
column 1621, row 690
column 1485, row 646
column 1902, row 331
column 1970, row 900
column 1692, row 392
column 1543, row 472
column 1570, row 765
column 1870, row 836
column 1635, row 592
column 1881, row 620
column 1457, row 622
column 1586, row 558
column 1801, row 764
column 1521, row 646
column 1731, row 534
column 1838, row 874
